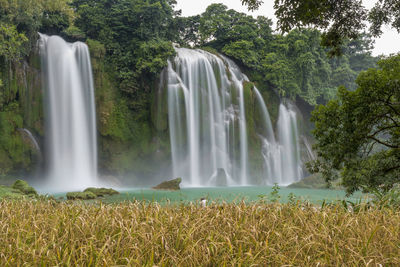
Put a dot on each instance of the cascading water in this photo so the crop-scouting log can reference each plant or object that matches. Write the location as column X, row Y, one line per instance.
column 206, row 119
column 70, row 121
column 208, row 130
column 288, row 138
column 281, row 155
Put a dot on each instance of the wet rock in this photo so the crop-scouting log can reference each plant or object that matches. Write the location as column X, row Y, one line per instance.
column 169, row 185
column 101, row 192
column 80, row 195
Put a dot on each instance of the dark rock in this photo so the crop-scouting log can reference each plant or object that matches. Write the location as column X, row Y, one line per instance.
column 169, row 185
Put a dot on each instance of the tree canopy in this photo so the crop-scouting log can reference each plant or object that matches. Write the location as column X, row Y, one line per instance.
column 295, row 64
column 21, row 20
column 338, row 19
column 358, row 134
column 137, row 36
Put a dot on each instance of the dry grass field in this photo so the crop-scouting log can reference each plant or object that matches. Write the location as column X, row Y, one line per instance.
column 49, row 233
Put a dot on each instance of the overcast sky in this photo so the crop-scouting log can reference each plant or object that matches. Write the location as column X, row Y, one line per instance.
column 388, row 43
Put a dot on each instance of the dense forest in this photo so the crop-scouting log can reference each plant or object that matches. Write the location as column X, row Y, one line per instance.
column 130, row 42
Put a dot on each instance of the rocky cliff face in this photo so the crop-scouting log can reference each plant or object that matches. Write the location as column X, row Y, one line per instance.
column 21, row 97
column 131, row 144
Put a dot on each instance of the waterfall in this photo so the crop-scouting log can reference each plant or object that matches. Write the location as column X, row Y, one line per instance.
column 288, row 137
column 282, row 154
column 208, row 129
column 70, row 114
column 206, row 119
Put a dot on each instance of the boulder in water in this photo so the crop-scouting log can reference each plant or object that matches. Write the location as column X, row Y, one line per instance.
column 25, row 188
column 101, row 192
column 169, row 185
column 80, row 195
column 221, row 179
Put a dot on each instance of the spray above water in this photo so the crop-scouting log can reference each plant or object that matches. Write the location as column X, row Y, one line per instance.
column 70, row 121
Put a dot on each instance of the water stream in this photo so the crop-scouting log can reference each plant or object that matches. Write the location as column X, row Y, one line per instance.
column 70, row 114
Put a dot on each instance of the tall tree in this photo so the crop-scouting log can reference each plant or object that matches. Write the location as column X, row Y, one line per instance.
column 358, row 134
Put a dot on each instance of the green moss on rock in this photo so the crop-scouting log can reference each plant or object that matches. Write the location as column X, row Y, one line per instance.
column 101, row 192
column 169, row 185
column 25, row 188
column 80, row 195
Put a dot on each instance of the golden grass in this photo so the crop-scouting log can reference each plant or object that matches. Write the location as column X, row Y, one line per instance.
column 64, row 234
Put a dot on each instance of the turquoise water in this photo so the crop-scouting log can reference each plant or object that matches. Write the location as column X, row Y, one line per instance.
column 230, row 194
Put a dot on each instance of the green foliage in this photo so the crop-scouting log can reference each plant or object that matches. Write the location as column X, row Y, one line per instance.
column 389, row 199
column 97, row 49
column 358, row 134
column 153, row 56
column 252, row 4
column 292, row 199
column 339, row 20
column 242, row 51
column 54, row 22
column 10, row 193
column 11, row 42
column 294, row 65
column 274, row 195
column 14, row 153
column 18, row 190
column 188, row 28
column 137, row 37
column 21, row 20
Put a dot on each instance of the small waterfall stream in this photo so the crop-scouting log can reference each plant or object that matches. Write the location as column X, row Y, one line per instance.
column 70, row 121
column 32, row 139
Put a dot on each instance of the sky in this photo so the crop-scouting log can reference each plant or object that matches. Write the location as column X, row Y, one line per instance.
column 388, row 43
